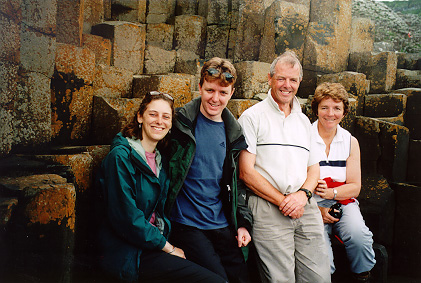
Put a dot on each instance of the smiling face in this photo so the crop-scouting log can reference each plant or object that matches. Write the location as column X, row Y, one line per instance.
column 330, row 113
column 156, row 121
column 214, row 98
column 284, row 83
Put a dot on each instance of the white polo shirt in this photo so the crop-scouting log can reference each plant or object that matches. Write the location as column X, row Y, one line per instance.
column 283, row 145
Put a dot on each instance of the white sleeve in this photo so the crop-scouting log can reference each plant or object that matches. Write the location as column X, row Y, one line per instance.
column 249, row 126
column 315, row 154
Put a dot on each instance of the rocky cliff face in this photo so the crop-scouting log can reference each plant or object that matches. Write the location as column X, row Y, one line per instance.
column 391, row 26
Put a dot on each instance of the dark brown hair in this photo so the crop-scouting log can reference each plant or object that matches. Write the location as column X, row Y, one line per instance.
column 222, row 66
column 133, row 130
column 336, row 91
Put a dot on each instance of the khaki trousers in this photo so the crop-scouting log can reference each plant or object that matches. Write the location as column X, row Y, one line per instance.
column 289, row 250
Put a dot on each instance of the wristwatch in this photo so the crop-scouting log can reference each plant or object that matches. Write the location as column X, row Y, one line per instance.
column 335, row 192
column 308, row 193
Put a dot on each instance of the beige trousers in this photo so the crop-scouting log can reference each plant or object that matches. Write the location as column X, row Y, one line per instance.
column 289, row 250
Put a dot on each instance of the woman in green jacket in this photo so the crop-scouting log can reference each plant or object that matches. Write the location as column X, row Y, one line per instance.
column 133, row 188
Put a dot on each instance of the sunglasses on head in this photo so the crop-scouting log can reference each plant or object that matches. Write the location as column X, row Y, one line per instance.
column 162, row 93
column 213, row 71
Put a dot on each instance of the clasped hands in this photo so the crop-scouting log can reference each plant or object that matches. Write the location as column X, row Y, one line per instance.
column 293, row 205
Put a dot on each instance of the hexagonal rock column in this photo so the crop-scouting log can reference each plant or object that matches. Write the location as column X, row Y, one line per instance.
column 71, row 96
column 385, row 105
column 40, row 236
column 249, row 30
column 38, row 36
column 100, row 46
column 216, row 12
column 327, row 42
column 233, row 24
column 377, row 202
column 179, row 86
column 394, row 141
column 10, row 25
column 188, row 62
column 367, row 132
column 93, row 14
column 8, row 88
column 414, row 162
column 83, row 163
column 160, row 35
column 110, row 115
column 362, row 35
column 129, row 10
column 70, row 15
column 112, row 82
column 408, row 78
column 128, row 43
column 190, row 34
column 252, row 79
column 380, row 69
column 385, row 149
column 217, row 41
column 409, row 61
column 407, row 251
column 158, row 60
column 186, row 7
column 217, row 17
column 32, row 112
column 160, row 11
column 27, row 51
column 238, row 106
column 285, row 27
column 354, row 83
column 413, row 111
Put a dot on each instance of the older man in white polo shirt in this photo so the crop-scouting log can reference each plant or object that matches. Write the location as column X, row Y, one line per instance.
column 281, row 168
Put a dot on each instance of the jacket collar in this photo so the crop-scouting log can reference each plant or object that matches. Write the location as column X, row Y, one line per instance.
column 140, row 163
column 187, row 115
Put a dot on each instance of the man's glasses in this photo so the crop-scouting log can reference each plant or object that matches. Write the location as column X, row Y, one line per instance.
column 161, row 93
column 213, row 71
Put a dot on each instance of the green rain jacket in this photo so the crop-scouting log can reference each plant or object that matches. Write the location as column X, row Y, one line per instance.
column 129, row 192
column 183, row 147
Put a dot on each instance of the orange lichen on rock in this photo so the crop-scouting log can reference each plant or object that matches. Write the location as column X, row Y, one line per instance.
column 55, row 204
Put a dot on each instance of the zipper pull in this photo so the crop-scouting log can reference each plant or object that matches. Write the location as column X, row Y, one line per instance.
column 229, row 192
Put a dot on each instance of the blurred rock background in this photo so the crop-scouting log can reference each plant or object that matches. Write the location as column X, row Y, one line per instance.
column 398, row 23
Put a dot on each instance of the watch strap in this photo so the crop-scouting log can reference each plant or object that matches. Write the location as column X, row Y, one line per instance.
column 308, row 193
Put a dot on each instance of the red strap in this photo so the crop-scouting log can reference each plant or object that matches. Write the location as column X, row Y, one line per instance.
column 333, row 184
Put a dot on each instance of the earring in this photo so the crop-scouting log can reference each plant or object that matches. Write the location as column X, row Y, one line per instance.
column 140, row 125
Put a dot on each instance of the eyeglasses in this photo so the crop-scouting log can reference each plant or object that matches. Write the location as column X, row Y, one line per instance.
column 161, row 93
column 213, row 71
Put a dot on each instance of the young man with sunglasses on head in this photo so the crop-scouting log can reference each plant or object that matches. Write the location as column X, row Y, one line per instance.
column 210, row 218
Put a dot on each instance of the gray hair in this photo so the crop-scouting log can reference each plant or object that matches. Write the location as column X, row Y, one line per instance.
column 287, row 57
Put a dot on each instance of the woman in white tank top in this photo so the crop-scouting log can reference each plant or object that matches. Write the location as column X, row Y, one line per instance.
column 340, row 179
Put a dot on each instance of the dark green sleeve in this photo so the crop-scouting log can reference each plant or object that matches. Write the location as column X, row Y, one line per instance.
column 126, row 219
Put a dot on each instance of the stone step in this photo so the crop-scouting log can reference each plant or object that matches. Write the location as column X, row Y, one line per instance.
column 40, row 233
column 384, row 105
column 384, row 147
